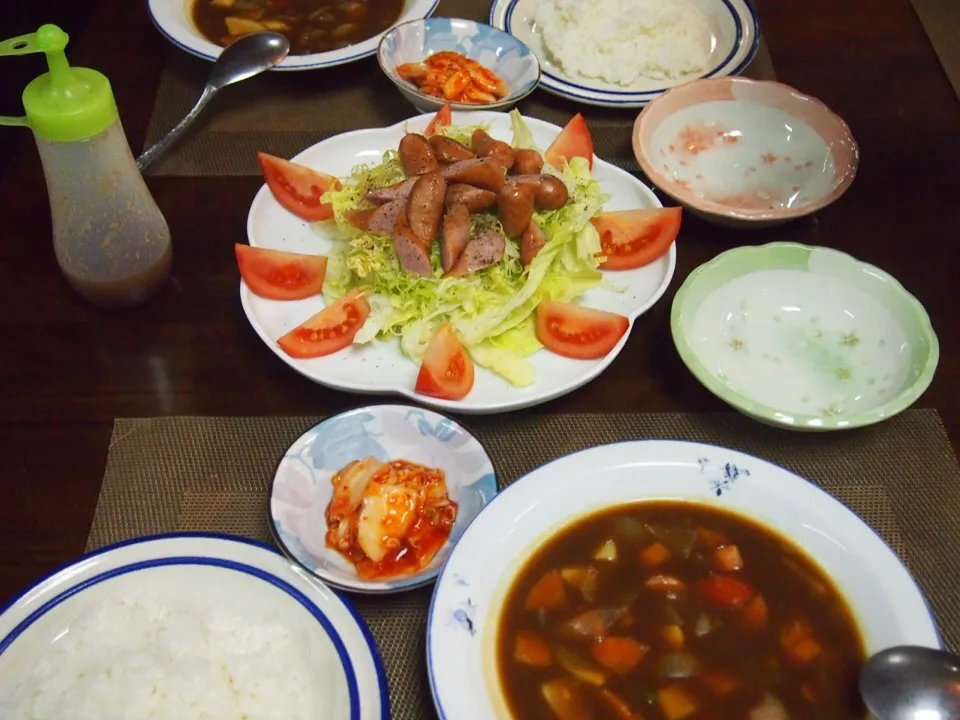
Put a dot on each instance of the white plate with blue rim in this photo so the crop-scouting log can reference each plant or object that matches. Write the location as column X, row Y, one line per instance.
column 187, row 626
column 174, row 20
column 463, row 626
column 734, row 36
column 301, row 488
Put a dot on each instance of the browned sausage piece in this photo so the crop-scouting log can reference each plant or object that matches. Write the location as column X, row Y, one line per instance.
column 485, row 174
column 515, row 206
column 416, row 156
column 360, row 219
column 413, row 256
column 484, row 250
column 531, row 243
column 425, row 206
column 549, row 191
column 474, row 198
column 526, row 162
column 384, row 218
column 485, row 146
column 397, row 191
column 456, row 235
column 448, row 150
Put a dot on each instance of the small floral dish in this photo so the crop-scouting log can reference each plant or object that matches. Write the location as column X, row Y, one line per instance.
column 468, row 613
column 502, row 54
column 745, row 153
column 302, row 489
column 807, row 338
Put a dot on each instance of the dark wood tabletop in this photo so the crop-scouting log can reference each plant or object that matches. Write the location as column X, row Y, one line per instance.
column 67, row 369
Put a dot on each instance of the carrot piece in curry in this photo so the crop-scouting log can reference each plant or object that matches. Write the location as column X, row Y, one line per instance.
column 619, row 654
column 531, row 649
column 676, row 702
column 548, row 593
column 654, row 555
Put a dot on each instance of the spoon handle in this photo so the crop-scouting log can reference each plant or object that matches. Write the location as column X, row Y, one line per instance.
column 171, row 137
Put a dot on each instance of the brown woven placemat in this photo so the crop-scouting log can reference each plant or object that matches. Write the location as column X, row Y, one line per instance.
column 212, row 474
column 283, row 113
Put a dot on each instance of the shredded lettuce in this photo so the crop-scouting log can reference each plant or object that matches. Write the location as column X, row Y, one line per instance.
column 492, row 311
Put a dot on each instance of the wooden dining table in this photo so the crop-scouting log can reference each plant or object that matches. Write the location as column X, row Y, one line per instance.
column 68, row 370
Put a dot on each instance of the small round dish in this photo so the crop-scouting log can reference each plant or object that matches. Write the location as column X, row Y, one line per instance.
column 807, row 338
column 734, row 30
column 745, row 153
column 200, row 614
column 173, row 19
column 503, row 54
column 463, row 625
column 301, row 488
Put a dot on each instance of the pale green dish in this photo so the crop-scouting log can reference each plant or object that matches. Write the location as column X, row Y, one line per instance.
column 803, row 337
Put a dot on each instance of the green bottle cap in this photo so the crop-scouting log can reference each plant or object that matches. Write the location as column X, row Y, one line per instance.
column 67, row 103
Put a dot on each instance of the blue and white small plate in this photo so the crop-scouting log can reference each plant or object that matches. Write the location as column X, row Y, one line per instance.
column 734, row 27
column 301, row 488
column 503, row 54
column 463, row 625
column 69, row 639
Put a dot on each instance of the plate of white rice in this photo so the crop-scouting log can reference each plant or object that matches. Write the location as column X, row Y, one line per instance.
column 624, row 53
column 187, row 627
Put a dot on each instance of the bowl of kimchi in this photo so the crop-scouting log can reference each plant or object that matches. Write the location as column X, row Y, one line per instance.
column 373, row 500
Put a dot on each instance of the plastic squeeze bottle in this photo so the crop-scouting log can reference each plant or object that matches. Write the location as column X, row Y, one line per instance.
column 110, row 239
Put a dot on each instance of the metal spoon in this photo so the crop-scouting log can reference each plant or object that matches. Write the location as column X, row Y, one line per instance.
column 245, row 57
column 912, row 683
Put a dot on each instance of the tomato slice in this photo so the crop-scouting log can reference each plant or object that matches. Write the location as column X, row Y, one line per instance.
column 578, row 332
column 298, row 188
column 634, row 238
column 725, row 591
column 329, row 330
column 573, row 141
column 444, row 116
column 280, row 275
column 447, row 370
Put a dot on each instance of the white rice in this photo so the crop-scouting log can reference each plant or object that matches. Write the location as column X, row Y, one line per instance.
column 623, row 41
column 140, row 660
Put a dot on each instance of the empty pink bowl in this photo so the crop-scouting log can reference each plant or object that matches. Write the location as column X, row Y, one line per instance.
column 744, row 152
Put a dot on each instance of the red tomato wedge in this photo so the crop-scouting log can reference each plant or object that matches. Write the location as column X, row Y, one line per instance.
column 578, row 332
column 573, row 141
column 298, row 188
column 447, row 370
column 328, row 331
column 634, row 238
column 725, row 591
column 444, row 116
column 280, row 275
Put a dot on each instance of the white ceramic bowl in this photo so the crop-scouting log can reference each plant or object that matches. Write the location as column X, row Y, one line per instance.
column 886, row 603
column 301, row 488
column 746, row 153
column 173, row 19
column 734, row 37
column 804, row 337
column 218, row 578
column 414, row 41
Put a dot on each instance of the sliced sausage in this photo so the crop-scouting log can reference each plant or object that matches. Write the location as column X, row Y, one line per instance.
column 360, row 219
column 425, row 206
column 515, row 206
column 416, row 156
column 448, row 150
column 526, row 162
column 486, row 147
column 531, row 243
column 384, row 218
column 413, row 256
column 456, row 235
column 482, row 251
column 397, row 191
column 485, row 174
column 549, row 191
column 476, row 199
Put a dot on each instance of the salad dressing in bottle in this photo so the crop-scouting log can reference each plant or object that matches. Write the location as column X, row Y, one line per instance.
column 110, row 239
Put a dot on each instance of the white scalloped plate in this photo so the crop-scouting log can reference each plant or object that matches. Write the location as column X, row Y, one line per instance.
column 380, row 367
